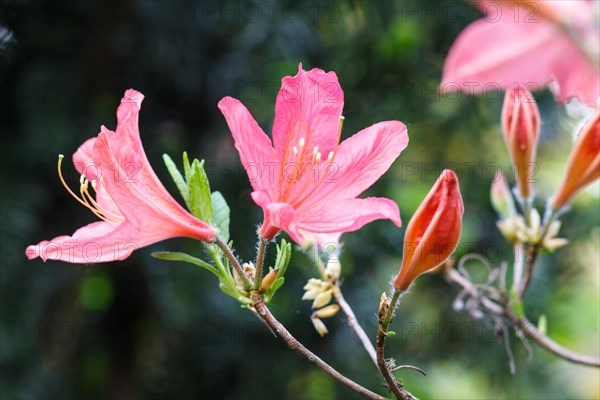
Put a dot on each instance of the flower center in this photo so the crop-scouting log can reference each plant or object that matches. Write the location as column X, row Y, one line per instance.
column 304, row 172
column 86, row 199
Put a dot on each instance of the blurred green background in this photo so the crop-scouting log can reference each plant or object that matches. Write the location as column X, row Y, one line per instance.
column 144, row 328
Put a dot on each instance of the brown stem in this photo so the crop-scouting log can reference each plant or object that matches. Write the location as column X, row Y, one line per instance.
column 386, row 311
column 299, row 348
column 392, row 384
column 522, row 323
column 354, row 325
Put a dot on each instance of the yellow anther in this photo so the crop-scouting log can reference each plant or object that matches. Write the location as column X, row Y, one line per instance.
column 330, row 156
column 295, row 149
column 315, row 150
column 302, row 142
column 318, row 157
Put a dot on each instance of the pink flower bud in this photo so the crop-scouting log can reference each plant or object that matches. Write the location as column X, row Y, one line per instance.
column 583, row 166
column 433, row 232
column 521, row 127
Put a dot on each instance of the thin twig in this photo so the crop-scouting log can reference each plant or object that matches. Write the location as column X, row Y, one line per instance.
column 545, row 342
column 386, row 311
column 233, row 261
column 299, row 348
column 354, row 324
column 522, row 323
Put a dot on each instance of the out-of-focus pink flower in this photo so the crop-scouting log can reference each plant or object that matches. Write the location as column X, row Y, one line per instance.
column 433, row 232
column 521, row 127
column 583, row 166
column 529, row 43
column 135, row 208
column 306, row 181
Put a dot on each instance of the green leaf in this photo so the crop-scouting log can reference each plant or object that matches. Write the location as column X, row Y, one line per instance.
column 177, row 256
column 542, row 324
column 228, row 290
column 199, row 189
column 220, row 215
column 517, row 304
column 186, row 167
column 284, row 254
column 177, row 178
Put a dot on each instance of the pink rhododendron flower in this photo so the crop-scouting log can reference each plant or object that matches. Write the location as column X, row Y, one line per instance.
column 306, row 181
column 135, row 208
column 532, row 45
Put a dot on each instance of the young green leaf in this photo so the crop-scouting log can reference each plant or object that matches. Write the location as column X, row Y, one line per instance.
column 199, row 189
column 220, row 215
column 177, row 256
column 284, row 254
column 177, row 178
column 187, row 168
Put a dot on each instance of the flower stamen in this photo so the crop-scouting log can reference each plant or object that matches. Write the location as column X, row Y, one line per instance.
column 86, row 199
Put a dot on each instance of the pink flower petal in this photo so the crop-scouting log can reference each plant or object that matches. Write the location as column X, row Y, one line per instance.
column 360, row 161
column 143, row 203
column 254, row 146
column 529, row 47
column 309, row 106
column 344, row 216
column 93, row 243
column 84, row 161
column 493, row 55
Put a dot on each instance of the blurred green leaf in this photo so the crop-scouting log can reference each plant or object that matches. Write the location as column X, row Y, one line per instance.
column 221, row 214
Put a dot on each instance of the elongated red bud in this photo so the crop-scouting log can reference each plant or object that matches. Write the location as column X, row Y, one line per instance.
column 434, row 230
column 521, row 127
column 583, row 166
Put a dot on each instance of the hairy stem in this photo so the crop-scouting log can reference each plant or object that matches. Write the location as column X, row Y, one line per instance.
column 234, row 262
column 299, row 348
column 385, row 317
column 260, row 259
column 354, row 325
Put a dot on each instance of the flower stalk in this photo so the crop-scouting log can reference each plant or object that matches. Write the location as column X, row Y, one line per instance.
column 260, row 260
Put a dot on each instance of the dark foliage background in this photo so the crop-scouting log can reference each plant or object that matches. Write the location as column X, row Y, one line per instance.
column 145, row 329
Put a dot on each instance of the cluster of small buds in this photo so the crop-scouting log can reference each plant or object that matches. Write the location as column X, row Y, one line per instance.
column 249, row 271
column 533, row 233
column 321, row 291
